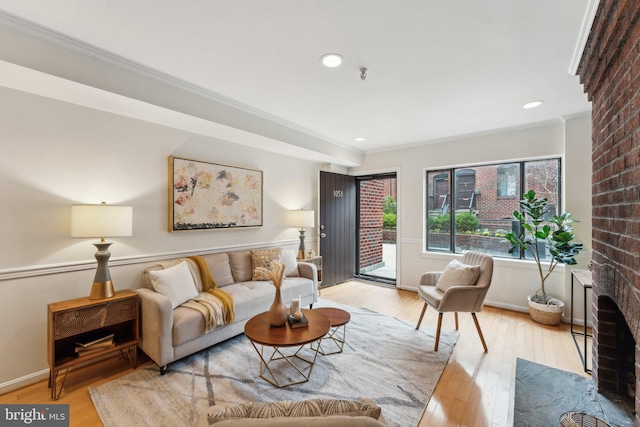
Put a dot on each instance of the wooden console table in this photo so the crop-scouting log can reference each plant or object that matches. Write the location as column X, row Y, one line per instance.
column 583, row 278
column 84, row 320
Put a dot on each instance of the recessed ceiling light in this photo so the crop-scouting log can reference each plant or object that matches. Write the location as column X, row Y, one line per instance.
column 533, row 104
column 359, row 138
column 331, row 60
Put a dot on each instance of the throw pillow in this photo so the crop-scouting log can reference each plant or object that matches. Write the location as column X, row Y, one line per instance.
column 295, row 409
column 458, row 274
column 288, row 258
column 176, row 283
column 240, row 263
column 263, row 258
column 220, row 268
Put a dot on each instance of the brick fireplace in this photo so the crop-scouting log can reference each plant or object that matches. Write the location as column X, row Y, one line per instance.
column 610, row 72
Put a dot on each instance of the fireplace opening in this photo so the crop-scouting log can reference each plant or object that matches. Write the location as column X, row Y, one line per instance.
column 614, row 353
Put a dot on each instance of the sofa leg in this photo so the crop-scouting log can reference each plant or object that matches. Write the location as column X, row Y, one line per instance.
column 163, row 370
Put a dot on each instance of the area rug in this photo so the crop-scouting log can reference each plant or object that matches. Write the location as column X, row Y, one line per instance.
column 384, row 359
column 544, row 394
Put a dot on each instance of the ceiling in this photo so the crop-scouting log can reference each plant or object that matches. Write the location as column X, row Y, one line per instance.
column 435, row 69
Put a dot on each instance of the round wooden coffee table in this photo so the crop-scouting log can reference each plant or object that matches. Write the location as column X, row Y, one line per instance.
column 274, row 362
column 338, row 332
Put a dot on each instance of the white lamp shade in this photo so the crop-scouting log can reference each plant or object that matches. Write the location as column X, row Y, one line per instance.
column 101, row 221
column 301, row 218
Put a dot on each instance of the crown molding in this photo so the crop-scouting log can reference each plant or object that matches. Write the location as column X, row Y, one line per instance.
column 97, row 55
column 583, row 36
column 90, row 50
column 471, row 135
column 580, row 115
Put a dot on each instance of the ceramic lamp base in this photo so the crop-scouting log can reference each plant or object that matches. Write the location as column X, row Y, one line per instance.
column 102, row 290
column 102, row 285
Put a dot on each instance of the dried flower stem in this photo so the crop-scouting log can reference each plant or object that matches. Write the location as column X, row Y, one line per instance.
column 275, row 274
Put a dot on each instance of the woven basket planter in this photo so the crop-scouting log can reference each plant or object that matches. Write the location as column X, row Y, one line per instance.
column 547, row 314
column 580, row 419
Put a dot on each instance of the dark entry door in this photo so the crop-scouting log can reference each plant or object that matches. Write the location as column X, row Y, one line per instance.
column 465, row 189
column 337, row 227
column 441, row 200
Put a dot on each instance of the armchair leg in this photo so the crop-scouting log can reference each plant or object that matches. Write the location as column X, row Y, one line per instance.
column 456, row 315
column 435, row 348
column 421, row 315
column 484, row 344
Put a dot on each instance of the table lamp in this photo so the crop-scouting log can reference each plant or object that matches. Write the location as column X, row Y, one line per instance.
column 301, row 219
column 101, row 221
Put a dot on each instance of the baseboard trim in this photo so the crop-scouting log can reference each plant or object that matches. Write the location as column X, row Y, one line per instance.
column 24, row 381
column 521, row 309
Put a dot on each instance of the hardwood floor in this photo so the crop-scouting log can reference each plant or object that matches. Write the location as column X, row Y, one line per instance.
column 476, row 388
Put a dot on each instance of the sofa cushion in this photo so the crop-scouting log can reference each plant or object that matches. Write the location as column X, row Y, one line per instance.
column 220, row 268
column 458, row 274
column 250, row 298
column 295, row 409
column 263, row 258
column 288, row 259
column 176, row 283
column 294, row 287
column 241, row 267
column 188, row 324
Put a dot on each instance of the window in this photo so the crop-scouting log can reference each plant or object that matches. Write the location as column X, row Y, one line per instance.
column 481, row 213
column 508, row 180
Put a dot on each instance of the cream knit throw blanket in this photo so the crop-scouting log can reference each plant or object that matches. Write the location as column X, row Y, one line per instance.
column 211, row 309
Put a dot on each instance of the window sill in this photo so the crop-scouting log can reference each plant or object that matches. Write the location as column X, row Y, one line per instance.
column 497, row 261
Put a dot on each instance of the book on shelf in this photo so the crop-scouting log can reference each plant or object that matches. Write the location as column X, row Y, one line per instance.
column 298, row 323
column 84, row 351
column 106, row 339
column 101, row 344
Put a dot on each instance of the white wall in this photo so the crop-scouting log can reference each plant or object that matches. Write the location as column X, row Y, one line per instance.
column 577, row 190
column 513, row 280
column 53, row 155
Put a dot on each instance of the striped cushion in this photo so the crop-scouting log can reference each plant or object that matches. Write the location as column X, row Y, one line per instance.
column 295, row 409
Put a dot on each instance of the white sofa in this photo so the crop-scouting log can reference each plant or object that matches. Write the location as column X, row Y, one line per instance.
column 168, row 334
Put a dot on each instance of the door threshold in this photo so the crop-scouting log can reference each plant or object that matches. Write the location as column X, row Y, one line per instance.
column 377, row 282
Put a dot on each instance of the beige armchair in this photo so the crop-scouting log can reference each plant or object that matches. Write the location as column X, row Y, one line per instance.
column 466, row 296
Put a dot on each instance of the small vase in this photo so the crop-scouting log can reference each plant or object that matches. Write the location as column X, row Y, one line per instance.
column 278, row 311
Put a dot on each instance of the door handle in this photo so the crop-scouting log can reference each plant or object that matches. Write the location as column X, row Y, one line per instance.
column 322, row 235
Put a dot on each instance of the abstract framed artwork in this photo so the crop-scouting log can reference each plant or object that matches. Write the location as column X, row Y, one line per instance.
column 209, row 196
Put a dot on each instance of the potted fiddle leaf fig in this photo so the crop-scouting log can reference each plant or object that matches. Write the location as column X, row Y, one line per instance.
column 556, row 231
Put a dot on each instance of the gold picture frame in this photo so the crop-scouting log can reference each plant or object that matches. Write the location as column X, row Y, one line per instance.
column 211, row 196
